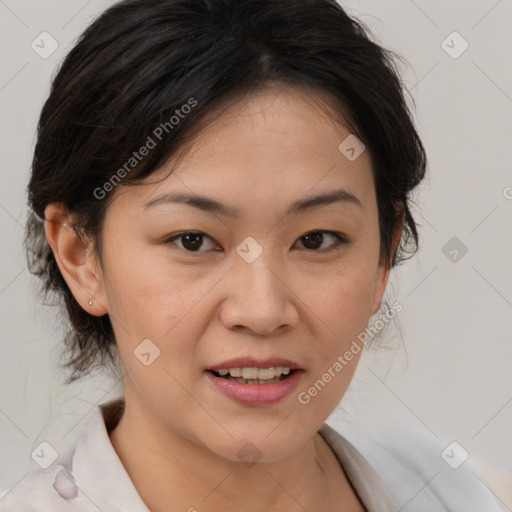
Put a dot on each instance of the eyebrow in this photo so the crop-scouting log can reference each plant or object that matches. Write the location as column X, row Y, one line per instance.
column 209, row 204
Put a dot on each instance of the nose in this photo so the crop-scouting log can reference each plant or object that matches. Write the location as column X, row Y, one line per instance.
column 259, row 299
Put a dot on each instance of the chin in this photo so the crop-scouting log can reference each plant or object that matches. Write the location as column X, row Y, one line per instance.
column 254, row 446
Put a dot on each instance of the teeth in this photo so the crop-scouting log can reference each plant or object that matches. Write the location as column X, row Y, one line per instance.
column 235, row 372
column 252, row 373
column 266, row 373
column 249, row 373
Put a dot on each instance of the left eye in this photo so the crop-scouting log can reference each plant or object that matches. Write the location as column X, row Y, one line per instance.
column 193, row 240
column 317, row 237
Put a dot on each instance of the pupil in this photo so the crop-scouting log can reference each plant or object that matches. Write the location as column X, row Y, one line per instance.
column 316, row 236
column 192, row 245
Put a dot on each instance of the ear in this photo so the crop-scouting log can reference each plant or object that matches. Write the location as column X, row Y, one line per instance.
column 76, row 259
column 384, row 266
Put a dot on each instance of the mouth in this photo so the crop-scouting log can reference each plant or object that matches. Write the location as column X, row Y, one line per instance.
column 255, row 383
column 254, row 376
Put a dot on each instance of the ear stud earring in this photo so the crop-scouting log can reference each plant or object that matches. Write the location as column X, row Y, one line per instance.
column 90, row 303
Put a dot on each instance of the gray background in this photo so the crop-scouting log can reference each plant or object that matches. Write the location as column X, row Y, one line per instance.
column 450, row 379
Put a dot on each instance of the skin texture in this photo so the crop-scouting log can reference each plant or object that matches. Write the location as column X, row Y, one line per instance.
column 179, row 436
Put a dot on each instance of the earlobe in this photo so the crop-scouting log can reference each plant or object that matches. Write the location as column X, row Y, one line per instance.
column 76, row 260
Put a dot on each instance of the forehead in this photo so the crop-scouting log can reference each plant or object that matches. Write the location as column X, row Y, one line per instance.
column 275, row 145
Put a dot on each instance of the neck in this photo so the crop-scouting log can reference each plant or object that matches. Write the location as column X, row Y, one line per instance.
column 170, row 470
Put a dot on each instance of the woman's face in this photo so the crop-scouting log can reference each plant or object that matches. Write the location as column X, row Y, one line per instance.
column 252, row 284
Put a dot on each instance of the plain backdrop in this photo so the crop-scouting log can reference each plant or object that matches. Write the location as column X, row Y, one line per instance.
column 449, row 374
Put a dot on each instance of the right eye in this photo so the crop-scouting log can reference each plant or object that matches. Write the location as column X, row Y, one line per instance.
column 191, row 241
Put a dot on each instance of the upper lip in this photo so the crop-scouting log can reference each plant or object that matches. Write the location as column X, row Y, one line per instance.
column 251, row 362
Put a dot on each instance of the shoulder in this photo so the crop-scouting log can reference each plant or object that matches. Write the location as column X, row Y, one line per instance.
column 66, row 484
column 36, row 492
column 52, row 489
column 423, row 472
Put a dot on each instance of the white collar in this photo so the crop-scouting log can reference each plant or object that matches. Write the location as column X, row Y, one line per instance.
column 98, row 470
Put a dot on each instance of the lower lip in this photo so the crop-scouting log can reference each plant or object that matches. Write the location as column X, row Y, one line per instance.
column 256, row 394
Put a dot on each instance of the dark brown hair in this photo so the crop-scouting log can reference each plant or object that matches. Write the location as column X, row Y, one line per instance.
column 141, row 61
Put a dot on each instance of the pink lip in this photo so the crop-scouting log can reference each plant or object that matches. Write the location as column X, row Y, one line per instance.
column 250, row 362
column 256, row 394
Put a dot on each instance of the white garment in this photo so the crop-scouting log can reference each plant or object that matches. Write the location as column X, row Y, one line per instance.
column 92, row 477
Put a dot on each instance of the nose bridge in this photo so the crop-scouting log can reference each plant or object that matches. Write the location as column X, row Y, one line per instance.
column 258, row 277
column 257, row 297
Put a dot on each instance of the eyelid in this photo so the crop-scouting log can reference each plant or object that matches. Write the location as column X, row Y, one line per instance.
column 341, row 239
column 169, row 240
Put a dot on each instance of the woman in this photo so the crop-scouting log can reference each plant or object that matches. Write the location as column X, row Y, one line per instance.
column 219, row 191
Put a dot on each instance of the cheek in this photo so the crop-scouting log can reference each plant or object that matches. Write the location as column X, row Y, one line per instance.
column 343, row 311
column 342, row 306
column 342, row 298
column 145, row 292
column 155, row 302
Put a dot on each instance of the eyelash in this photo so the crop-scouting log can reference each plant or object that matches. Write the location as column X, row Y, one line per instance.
column 340, row 240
